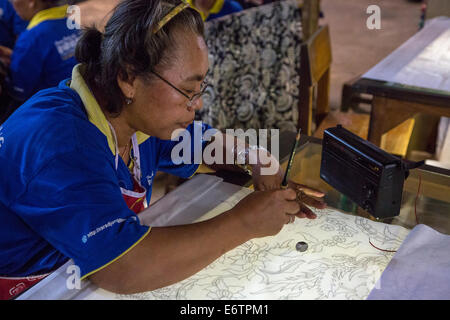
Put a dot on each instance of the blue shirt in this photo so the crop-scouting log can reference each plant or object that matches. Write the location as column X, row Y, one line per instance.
column 11, row 25
column 229, row 7
column 42, row 57
column 60, row 192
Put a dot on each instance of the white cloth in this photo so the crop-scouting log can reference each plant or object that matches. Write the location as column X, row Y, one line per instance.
column 419, row 270
column 443, row 142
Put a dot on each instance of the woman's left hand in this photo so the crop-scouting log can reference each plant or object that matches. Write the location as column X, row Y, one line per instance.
column 306, row 196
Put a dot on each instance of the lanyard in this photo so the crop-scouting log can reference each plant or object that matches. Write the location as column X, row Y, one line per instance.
column 135, row 156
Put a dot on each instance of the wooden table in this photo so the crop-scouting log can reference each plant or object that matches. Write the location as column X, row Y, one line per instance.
column 413, row 79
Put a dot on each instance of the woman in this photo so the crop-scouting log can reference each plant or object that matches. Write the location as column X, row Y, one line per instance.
column 74, row 180
column 44, row 53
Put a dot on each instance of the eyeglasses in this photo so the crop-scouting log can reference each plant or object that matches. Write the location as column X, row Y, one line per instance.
column 195, row 96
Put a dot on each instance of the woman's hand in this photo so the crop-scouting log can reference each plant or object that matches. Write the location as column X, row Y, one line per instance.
column 306, row 196
column 264, row 213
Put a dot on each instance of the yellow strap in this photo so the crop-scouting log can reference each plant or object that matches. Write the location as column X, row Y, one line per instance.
column 218, row 5
column 48, row 14
column 170, row 15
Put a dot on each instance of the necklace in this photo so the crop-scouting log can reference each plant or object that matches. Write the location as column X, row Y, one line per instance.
column 127, row 149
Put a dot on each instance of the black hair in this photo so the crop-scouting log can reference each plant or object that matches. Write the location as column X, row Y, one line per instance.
column 54, row 3
column 129, row 48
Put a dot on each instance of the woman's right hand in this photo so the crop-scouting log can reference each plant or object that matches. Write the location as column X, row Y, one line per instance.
column 264, row 213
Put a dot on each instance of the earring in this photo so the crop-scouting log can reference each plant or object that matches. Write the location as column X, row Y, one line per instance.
column 128, row 101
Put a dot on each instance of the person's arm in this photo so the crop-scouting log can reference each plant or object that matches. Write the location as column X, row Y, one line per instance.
column 170, row 254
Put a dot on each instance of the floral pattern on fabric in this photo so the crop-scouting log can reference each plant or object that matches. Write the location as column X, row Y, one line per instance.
column 254, row 68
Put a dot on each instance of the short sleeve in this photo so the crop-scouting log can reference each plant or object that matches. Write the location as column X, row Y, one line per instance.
column 75, row 204
column 26, row 67
column 183, row 156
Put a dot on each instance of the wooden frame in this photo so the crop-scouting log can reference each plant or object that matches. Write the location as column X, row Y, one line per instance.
column 315, row 62
column 393, row 108
column 398, row 111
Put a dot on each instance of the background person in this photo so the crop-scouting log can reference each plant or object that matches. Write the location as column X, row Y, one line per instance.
column 44, row 54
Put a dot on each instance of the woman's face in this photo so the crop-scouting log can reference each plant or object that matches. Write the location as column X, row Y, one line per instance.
column 158, row 109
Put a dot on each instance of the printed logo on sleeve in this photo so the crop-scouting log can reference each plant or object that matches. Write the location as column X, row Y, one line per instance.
column 86, row 237
column 66, row 46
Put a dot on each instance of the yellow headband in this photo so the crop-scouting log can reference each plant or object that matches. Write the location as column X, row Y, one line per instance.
column 183, row 5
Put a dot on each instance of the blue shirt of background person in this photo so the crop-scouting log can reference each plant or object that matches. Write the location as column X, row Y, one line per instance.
column 44, row 54
column 229, row 7
column 11, row 25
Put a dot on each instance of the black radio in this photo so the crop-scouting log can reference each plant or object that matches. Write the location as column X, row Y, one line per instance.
column 369, row 176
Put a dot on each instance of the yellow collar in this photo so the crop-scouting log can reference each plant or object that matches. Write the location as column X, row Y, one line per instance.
column 218, row 5
column 54, row 13
column 95, row 113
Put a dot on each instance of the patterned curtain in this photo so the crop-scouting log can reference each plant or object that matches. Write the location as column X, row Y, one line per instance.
column 254, row 68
